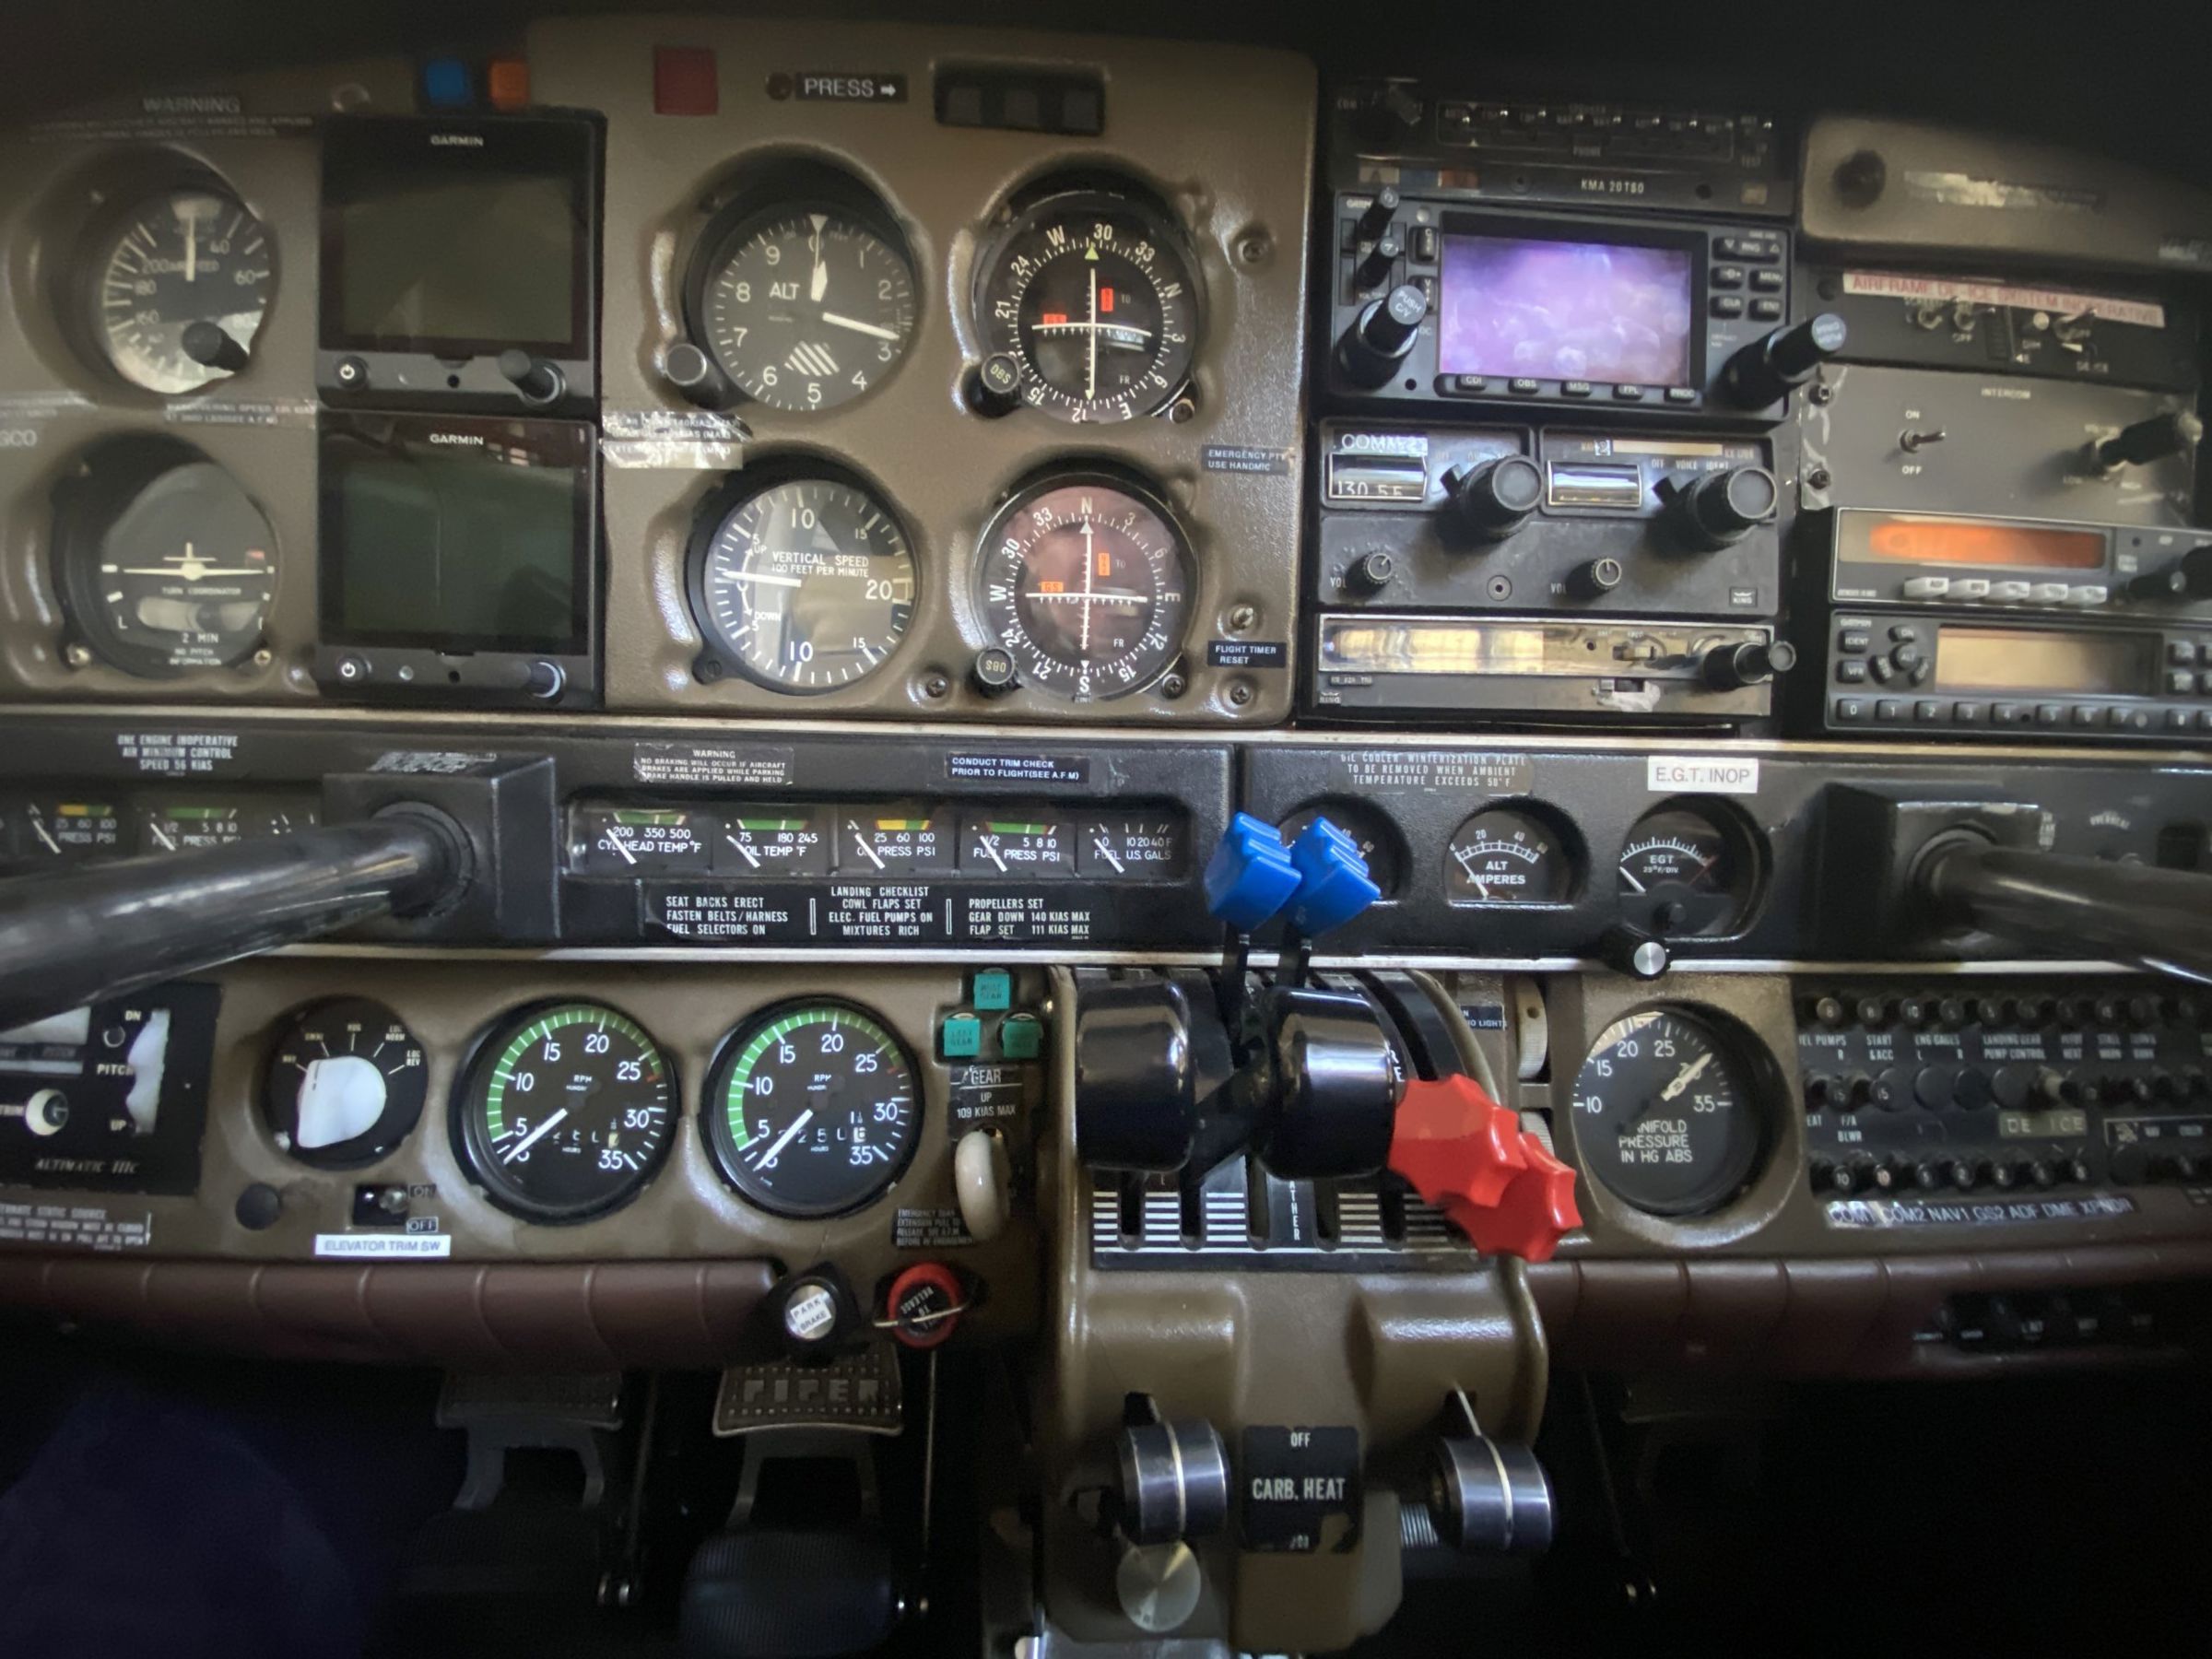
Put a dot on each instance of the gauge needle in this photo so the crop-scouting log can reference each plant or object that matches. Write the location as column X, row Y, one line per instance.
column 161, row 835
column 1091, row 379
column 1687, row 1076
column 1631, row 880
column 857, row 326
column 768, row 1160
column 750, row 856
column 1089, row 562
column 789, row 582
column 990, row 844
column 37, row 827
column 818, row 284
column 534, row 1135
column 616, row 842
column 1459, row 853
column 1106, row 852
column 192, row 248
column 862, row 841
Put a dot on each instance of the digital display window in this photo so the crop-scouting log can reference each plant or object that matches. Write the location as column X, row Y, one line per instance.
column 1547, row 310
column 1906, row 538
column 2024, row 659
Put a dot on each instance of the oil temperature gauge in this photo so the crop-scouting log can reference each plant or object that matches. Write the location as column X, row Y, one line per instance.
column 1506, row 856
column 344, row 1084
column 774, row 840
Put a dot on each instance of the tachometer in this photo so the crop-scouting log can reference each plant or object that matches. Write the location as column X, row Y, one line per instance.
column 177, row 285
column 1087, row 580
column 1664, row 1115
column 805, row 585
column 565, row 1111
column 812, row 1108
column 1094, row 295
column 1505, row 856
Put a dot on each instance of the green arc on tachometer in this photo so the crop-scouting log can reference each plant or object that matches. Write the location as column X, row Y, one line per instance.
column 559, row 1019
column 835, row 1015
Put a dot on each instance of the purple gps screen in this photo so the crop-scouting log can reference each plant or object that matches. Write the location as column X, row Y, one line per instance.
column 1565, row 310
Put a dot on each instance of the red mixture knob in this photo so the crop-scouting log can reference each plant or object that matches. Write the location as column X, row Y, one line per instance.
column 1469, row 1156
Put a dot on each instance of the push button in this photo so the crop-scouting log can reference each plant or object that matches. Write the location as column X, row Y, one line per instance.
column 1021, row 1037
column 1851, row 671
column 1766, row 282
column 960, row 1037
column 1767, row 311
column 1727, row 277
column 993, row 990
column 1521, row 385
column 1727, row 305
column 1627, row 394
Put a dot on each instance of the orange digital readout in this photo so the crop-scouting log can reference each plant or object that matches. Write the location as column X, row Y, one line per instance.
column 1933, row 541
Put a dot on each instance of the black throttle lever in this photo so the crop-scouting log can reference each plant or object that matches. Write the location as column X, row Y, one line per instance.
column 2074, row 907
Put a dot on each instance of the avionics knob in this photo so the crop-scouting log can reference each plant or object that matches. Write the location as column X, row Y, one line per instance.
column 1382, row 259
column 2148, row 441
column 1370, row 573
column 1380, row 339
column 1495, row 497
column 539, row 381
column 1378, row 214
column 1752, row 662
column 2188, row 577
column 1766, row 368
column 1596, row 579
column 1716, row 509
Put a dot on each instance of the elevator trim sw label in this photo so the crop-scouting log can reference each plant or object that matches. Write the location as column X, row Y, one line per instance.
column 1700, row 774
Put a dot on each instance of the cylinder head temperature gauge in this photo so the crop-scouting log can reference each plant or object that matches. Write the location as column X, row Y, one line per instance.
column 813, row 1109
column 565, row 1112
column 345, row 1083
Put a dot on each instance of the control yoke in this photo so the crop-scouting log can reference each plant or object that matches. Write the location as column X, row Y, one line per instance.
column 69, row 940
column 2078, row 907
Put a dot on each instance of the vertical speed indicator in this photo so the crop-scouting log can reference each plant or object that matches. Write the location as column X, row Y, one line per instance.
column 565, row 1112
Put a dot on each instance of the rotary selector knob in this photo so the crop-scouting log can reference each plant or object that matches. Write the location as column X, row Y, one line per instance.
column 2148, row 441
column 1714, row 510
column 1493, row 498
column 1380, row 339
column 1770, row 366
column 1751, row 662
column 1370, row 573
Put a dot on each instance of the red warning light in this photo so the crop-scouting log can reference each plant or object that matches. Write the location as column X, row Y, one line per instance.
column 1051, row 318
column 1105, row 300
